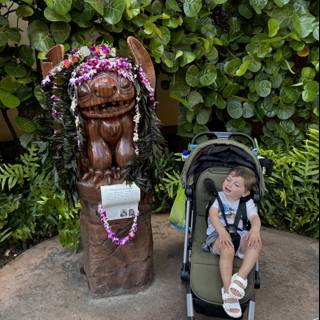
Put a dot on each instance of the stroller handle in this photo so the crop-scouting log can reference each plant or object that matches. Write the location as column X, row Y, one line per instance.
column 223, row 135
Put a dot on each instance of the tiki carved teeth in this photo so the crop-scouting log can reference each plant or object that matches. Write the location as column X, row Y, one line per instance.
column 109, row 109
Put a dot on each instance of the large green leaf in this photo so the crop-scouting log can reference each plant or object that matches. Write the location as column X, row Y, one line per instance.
column 173, row 5
column 24, row 11
column 15, row 70
column 38, row 93
column 231, row 67
column 113, row 10
column 8, row 99
column 3, row 39
column 165, row 35
column 234, row 108
column 303, row 25
column 203, row 116
column 187, row 58
column 281, row 3
column 192, row 76
column 243, row 68
column 191, row 8
column 310, row 91
column 157, row 48
column 60, row 31
column 26, row 125
column 230, row 90
column 84, row 18
column 208, row 29
column 52, row 15
column 263, row 88
column 289, row 95
column 258, row 5
column 9, row 84
column 245, row 11
column 248, row 110
column 220, row 102
column 315, row 32
column 61, row 7
column 24, row 93
column 39, row 36
column 273, row 27
column 194, row 98
column 14, row 35
column 285, row 112
column 178, row 86
column 308, row 73
column 97, row 5
column 208, row 75
column 26, row 54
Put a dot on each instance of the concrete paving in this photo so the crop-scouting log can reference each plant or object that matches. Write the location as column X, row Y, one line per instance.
column 45, row 283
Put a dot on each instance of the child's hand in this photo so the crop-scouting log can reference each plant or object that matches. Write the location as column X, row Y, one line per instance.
column 253, row 238
column 225, row 239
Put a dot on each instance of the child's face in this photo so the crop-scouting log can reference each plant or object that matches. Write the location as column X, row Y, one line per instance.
column 234, row 187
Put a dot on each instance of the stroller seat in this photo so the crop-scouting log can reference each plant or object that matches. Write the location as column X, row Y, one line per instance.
column 205, row 280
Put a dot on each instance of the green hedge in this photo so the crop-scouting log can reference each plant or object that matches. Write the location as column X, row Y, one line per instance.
column 31, row 207
column 246, row 65
column 292, row 199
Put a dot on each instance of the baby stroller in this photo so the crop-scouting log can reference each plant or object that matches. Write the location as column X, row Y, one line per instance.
column 211, row 161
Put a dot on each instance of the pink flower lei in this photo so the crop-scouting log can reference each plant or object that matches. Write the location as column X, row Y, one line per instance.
column 111, row 234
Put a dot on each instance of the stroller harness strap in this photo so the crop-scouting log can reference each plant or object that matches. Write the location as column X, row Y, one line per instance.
column 241, row 213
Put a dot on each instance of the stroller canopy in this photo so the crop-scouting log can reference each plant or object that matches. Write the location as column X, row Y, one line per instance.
column 221, row 153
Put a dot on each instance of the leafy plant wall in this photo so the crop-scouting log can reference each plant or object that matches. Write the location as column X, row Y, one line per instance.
column 246, row 65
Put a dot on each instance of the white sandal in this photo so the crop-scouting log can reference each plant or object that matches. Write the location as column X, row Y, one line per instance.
column 228, row 306
column 239, row 284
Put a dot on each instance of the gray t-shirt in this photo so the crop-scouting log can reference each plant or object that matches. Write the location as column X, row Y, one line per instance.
column 230, row 209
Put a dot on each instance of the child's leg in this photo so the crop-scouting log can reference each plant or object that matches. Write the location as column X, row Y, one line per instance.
column 239, row 280
column 230, row 304
column 250, row 258
column 225, row 263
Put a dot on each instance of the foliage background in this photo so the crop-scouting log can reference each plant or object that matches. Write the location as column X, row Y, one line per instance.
column 249, row 65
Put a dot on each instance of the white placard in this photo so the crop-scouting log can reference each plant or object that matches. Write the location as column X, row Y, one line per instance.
column 120, row 200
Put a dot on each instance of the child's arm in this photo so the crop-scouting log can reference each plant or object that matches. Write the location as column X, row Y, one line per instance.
column 224, row 236
column 253, row 236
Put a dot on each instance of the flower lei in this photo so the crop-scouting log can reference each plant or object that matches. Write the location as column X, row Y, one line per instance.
column 110, row 233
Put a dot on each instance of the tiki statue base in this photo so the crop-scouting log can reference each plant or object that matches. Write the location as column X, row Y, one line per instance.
column 110, row 269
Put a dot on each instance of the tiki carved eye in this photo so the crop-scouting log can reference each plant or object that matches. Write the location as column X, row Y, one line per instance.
column 125, row 84
column 83, row 90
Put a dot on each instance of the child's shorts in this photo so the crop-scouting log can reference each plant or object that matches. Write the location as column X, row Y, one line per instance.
column 212, row 238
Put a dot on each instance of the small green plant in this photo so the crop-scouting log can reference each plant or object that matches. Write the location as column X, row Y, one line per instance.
column 31, row 207
column 292, row 200
column 169, row 181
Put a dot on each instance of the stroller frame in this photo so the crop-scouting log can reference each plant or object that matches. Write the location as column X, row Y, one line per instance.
column 193, row 302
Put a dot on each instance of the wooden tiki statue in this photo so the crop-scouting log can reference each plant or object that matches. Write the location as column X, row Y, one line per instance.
column 106, row 103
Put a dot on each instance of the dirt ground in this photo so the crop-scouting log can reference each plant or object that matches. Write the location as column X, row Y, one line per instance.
column 45, row 282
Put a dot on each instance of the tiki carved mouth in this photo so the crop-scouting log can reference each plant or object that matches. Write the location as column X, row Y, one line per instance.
column 108, row 109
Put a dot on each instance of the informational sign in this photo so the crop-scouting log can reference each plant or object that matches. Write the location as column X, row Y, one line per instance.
column 120, row 200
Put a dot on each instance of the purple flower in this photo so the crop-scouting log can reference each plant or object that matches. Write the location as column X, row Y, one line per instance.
column 55, row 114
column 105, row 49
